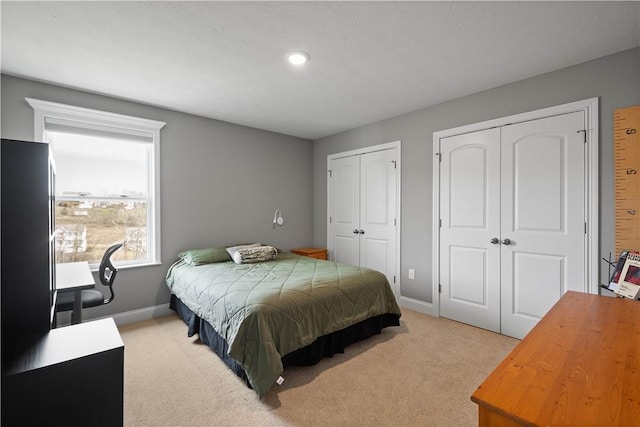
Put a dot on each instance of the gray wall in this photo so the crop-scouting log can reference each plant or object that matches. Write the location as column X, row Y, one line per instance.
column 220, row 183
column 614, row 79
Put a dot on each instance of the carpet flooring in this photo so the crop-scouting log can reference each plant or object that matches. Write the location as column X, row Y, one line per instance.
column 421, row 373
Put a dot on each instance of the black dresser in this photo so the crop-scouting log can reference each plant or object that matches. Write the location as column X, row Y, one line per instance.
column 71, row 376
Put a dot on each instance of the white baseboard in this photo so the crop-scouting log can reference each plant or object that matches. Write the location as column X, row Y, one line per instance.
column 142, row 314
column 417, row 305
column 164, row 310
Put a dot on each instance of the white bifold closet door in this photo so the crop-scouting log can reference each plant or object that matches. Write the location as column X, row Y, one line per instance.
column 362, row 210
column 512, row 238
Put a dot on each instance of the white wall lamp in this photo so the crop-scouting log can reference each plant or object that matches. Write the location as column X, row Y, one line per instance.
column 277, row 218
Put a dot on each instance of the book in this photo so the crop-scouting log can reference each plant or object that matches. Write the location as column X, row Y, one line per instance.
column 613, row 281
column 628, row 282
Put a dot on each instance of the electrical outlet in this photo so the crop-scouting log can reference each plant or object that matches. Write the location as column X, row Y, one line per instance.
column 412, row 274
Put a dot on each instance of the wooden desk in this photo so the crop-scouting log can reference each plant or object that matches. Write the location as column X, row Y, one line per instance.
column 579, row 366
column 74, row 277
column 71, row 376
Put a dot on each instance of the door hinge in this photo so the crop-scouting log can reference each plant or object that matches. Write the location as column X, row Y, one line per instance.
column 584, row 134
column 394, row 164
column 394, row 279
column 439, row 157
column 395, row 222
column 329, row 171
column 585, row 228
column 439, row 288
column 440, row 222
column 330, row 220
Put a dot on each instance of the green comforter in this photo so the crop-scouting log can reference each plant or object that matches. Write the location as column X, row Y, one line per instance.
column 269, row 309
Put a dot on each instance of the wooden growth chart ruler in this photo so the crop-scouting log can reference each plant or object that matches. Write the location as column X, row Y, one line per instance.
column 626, row 161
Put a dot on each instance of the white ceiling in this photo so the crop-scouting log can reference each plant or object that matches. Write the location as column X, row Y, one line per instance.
column 369, row 60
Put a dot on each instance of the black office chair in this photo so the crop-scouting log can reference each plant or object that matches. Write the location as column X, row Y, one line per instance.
column 93, row 297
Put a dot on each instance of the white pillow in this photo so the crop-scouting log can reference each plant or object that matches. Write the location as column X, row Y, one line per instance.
column 256, row 254
column 233, row 249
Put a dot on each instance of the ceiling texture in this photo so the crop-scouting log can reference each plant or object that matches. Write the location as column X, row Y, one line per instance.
column 369, row 60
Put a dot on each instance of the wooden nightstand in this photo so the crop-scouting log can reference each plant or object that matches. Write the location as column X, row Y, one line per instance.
column 318, row 253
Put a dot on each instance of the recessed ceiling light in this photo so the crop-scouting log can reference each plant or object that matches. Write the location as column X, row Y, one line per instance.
column 298, row 57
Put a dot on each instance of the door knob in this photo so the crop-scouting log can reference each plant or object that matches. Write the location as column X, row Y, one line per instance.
column 494, row 241
column 361, row 231
column 506, row 241
column 356, row 231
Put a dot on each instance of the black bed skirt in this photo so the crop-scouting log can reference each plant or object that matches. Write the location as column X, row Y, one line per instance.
column 324, row 346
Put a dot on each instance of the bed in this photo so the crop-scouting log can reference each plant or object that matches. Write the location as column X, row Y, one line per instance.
column 260, row 314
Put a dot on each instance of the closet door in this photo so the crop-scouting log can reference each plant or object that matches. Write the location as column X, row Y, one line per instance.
column 377, row 211
column 543, row 217
column 512, row 238
column 344, row 200
column 362, row 210
column 470, row 228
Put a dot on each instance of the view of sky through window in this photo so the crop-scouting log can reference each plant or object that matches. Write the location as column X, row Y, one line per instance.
column 99, row 166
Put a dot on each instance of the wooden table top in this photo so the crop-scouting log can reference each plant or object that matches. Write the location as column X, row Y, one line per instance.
column 579, row 366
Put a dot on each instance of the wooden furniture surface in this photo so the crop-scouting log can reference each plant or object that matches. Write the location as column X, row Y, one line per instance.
column 579, row 366
column 319, row 253
column 71, row 376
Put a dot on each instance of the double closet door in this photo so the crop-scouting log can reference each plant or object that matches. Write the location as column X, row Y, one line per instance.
column 362, row 203
column 512, row 235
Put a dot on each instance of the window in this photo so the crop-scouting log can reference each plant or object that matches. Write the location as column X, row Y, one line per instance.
column 107, row 183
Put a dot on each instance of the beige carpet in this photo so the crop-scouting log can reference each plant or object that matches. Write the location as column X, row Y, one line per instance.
column 421, row 373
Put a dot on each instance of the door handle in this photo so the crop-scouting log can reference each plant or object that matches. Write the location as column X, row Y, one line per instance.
column 506, row 241
column 361, row 231
column 356, row 231
column 494, row 241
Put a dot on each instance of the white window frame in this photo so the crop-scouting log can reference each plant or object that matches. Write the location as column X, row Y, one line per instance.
column 121, row 124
